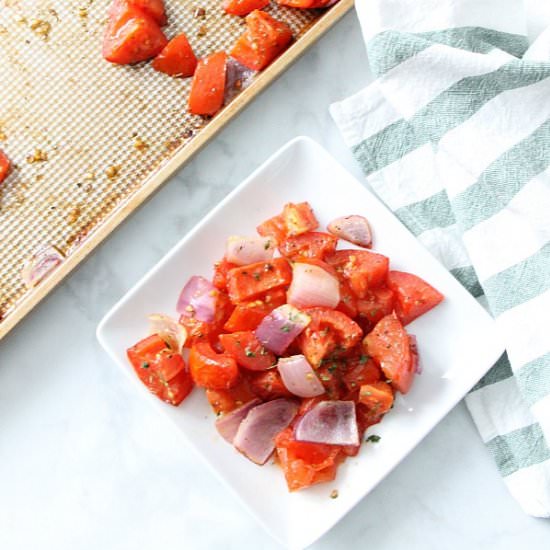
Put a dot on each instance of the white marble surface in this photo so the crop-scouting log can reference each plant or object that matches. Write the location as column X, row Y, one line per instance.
column 86, row 464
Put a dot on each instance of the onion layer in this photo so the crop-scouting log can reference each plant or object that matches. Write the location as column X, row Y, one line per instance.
column 313, row 286
column 279, row 328
column 299, row 377
column 43, row 261
column 354, row 229
column 228, row 424
column 329, row 422
column 255, row 437
column 169, row 330
column 198, row 299
column 249, row 250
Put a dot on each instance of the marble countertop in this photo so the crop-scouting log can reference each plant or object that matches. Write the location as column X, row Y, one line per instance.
column 87, row 465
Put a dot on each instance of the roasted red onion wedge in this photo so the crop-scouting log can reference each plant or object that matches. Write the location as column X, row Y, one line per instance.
column 299, row 377
column 279, row 328
column 43, row 261
column 256, row 434
column 313, row 286
column 237, row 78
column 354, row 229
column 228, row 424
column 249, row 250
column 198, row 299
column 329, row 422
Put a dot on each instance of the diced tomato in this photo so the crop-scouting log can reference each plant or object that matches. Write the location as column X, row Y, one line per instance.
column 249, row 281
column 361, row 370
column 247, row 350
column 153, row 8
column 208, row 86
column 224, row 401
column 363, row 269
column 413, row 295
column 308, row 403
column 329, row 332
column 131, row 35
column 378, row 397
column 389, row 345
column 268, row 385
column 304, row 4
column 221, row 269
column 163, row 372
column 243, row 7
column 376, row 304
column 273, row 227
column 299, row 218
column 216, row 371
column 365, row 418
column 331, row 379
column 348, row 300
column 264, row 39
column 248, row 315
column 313, row 245
column 305, row 464
column 4, row 166
column 177, row 58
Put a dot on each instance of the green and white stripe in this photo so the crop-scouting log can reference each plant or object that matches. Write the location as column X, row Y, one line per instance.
column 454, row 136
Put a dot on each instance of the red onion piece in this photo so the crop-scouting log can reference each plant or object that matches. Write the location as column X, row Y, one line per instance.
column 237, row 78
column 198, row 299
column 279, row 328
column 299, row 377
column 354, row 229
column 329, row 422
column 256, row 434
column 169, row 330
column 249, row 250
column 228, row 424
column 43, row 261
column 313, row 286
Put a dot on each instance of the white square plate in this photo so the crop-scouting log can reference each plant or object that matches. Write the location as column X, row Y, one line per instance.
column 457, row 340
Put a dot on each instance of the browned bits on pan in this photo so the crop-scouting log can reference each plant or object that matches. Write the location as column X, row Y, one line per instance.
column 3, row 136
column 199, row 13
column 38, row 156
column 74, row 214
column 83, row 12
column 113, row 171
column 89, row 175
column 3, row 30
column 140, row 145
column 188, row 133
column 202, row 31
column 53, row 13
column 41, row 28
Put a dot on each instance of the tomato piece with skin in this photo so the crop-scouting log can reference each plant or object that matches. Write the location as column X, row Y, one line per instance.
column 153, row 8
column 243, row 7
column 299, row 218
column 268, row 385
column 177, row 58
column 264, row 39
column 378, row 397
column 304, row 4
column 4, row 166
column 378, row 303
column 248, row 315
column 224, row 401
column 247, row 350
column 390, row 346
column 208, row 86
column 273, row 227
column 331, row 379
column 216, row 371
column 329, row 331
column 310, row 245
column 249, row 281
column 413, row 295
column 363, row 269
column 348, row 300
column 160, row 369
column 361, row 370
column 131, row 35
column 221, row 269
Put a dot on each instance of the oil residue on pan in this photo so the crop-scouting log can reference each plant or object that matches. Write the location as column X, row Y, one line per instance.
column 84, row 135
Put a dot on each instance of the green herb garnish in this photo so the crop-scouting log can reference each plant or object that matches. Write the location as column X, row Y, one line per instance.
column 373, row 438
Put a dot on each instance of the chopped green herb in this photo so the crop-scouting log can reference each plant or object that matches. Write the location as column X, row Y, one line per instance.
column 333, row 367
column 373, row 438
column 285, row 328
column 325, row 377
column 144, row 365
column 363, row 359
column 267, row 245
column 249, row 353
column 256, row 276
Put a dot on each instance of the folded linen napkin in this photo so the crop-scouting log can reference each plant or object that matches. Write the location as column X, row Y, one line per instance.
column 454, row 136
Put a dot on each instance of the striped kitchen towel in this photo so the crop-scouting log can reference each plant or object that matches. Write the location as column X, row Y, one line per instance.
column 454, row 136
